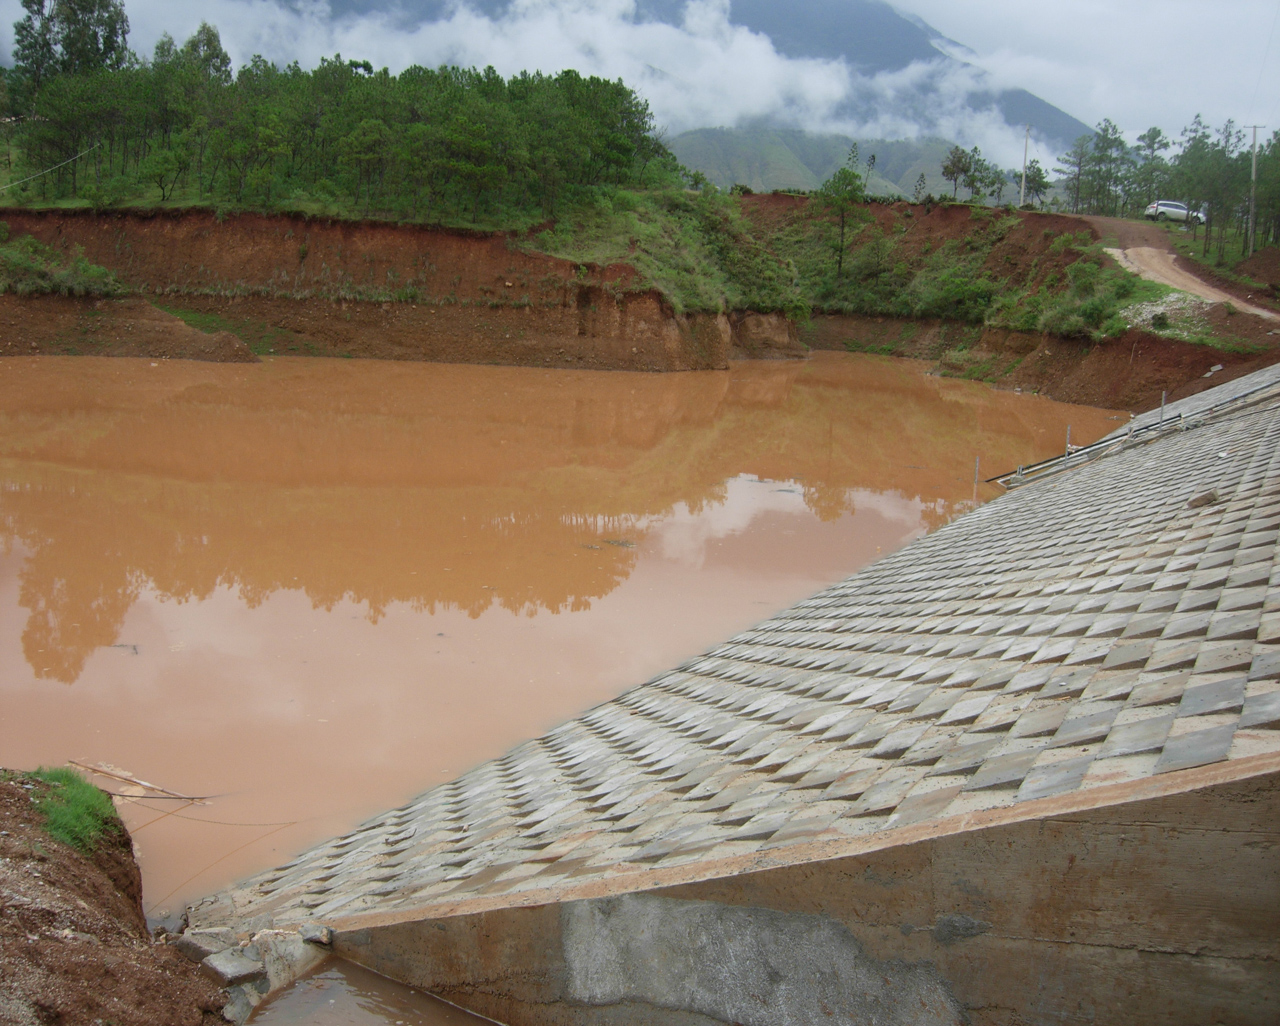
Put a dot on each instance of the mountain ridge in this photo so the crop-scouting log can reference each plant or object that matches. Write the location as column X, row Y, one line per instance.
column 766, row 158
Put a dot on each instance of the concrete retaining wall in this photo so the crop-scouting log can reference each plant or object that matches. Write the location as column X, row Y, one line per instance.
column 1162, row 910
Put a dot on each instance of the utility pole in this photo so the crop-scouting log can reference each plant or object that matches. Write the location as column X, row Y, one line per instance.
column 1253, row 187
column 1026, row 141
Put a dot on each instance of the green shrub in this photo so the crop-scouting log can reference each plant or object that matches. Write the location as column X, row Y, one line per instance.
column 696, row 248
column 949, row 286
column 75, row 812
column 28, row 267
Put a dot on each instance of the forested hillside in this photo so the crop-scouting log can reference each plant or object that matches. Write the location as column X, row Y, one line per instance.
column 446, row 145
column 572, row 167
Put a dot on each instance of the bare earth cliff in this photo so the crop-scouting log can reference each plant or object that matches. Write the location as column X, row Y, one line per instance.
column 333, row 288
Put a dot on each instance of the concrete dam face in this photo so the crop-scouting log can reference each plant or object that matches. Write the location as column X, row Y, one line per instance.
column 1023, row 770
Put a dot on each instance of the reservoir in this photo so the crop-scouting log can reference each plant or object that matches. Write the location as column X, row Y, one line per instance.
column 305, row 590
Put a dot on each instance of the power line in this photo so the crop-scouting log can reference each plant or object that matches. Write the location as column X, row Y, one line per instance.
column 55, row 167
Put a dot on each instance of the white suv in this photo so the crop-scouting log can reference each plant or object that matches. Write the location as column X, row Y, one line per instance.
column 1167, row 210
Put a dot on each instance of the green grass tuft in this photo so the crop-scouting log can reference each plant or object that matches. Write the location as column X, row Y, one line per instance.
column 696, row 248
column 30, row 268
column 75, row 811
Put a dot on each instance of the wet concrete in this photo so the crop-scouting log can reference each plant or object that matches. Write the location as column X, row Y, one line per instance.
column 309, row 589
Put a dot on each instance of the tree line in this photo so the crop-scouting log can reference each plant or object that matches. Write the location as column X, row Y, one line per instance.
column 986, row 180
column 1208, row 170
column 446, row 143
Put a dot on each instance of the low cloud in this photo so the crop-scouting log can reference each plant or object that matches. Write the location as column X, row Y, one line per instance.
column 1140, row 63
column 704, row 72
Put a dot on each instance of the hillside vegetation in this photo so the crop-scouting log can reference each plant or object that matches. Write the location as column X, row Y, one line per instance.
column 971, row 264
column 571, row 165
column 450, row 145
column 29, row 268
column 1211, row 170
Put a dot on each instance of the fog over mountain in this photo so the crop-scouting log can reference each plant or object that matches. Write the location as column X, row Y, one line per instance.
column 855, row 67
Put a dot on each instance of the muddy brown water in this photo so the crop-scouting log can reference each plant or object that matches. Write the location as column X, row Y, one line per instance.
column 310, row 589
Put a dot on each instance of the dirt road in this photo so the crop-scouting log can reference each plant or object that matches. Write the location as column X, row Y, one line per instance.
column 1144, row 249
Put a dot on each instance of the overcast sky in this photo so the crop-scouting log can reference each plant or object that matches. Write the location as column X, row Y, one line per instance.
column 1139, row 62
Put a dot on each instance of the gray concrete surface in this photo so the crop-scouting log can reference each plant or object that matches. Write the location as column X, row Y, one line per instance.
column 1040, row 671
column 754, row 966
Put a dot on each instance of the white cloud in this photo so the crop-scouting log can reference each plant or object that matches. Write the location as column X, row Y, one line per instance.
column 1138, row 62
column 705, row 72
column 686, row 537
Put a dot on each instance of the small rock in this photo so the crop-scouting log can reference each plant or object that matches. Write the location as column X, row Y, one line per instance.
column 198, row 945
column 230, row 967
column 1207, row 499
column 240, row 1004
column 314, row 933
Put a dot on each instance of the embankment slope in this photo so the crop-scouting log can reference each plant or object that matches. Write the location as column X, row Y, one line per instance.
column 227, row 288
column 341, row 288
column 74, row 945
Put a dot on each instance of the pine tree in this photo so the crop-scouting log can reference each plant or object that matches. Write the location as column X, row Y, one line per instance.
column 958, row 164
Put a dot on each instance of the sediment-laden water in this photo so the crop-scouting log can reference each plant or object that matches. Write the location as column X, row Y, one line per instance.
column 307, row 590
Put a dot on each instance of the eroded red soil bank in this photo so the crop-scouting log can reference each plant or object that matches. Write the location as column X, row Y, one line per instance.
column 249, row 284
column 74, row 946
column 335, row 288
column 1126, row 373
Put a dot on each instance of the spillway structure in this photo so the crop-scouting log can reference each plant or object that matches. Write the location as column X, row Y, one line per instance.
column 1022, row 771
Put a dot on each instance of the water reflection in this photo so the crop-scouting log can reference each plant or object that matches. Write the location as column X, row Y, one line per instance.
column 462, row 488
column 316, row 587
column 345, row 994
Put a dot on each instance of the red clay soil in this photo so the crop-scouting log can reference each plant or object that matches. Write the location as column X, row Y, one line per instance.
column 1263, row 266
column 1129, row 234
column 1025, row 254
column 395, row 292
column 43, row 325
column 255, row 283
column 74, row 946
column 1266, row 298
column 1127, row 373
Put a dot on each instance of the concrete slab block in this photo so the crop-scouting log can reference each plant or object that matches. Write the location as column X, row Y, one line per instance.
column 1135, row 738
column 1216, row 697
column 1080, row 729
column 1040, row 721
column 1265, row 664
column 1003, row 771
column 199, row 944
column 1262, row 711
column 231, row 966
column 1054, row 778
column 1197, row 748
column 1224, row 657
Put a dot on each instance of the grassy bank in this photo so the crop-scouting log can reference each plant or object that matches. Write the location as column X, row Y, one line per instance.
column 709, row 251
column 696, row 248
column 75, row 812
column 29, row 268
column 973, row 265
